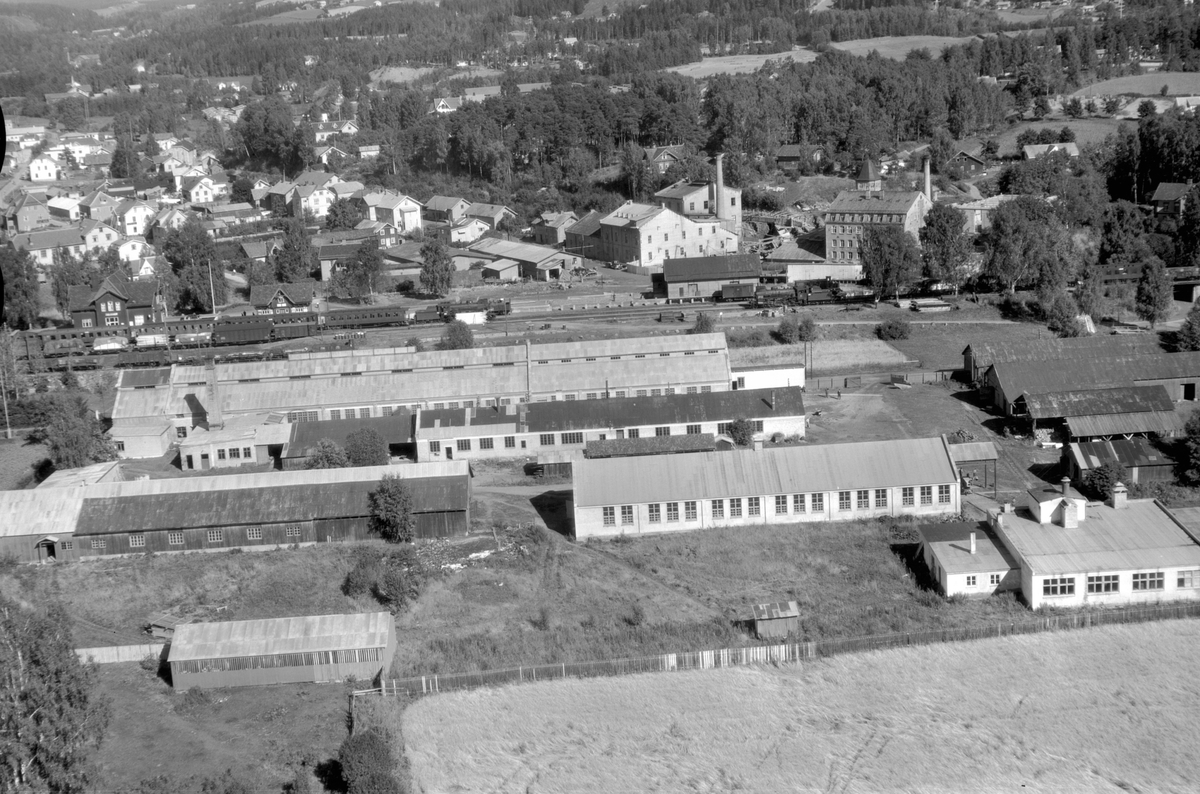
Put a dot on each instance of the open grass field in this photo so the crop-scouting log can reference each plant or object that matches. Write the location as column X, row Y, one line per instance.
column 941, row 346
column 1087, row 131
column 18, row 460
column 739, row 64
column 898, row 47
column 401, row 75
column 1106, row 709
column 260, row 734
column 1177, row 83
column 828, row 355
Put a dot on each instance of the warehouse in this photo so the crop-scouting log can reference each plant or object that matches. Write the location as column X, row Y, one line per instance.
column 261, row 510
column 515, row 430
column 313, row 649
column 704, row 276
column 1068, row 552
column 1142, row 461
column 374, row 383
column 1103, row 413
column 1177, row 372
column 828, row 482
column 978, row 356
column 396, row 430
column 250, row 440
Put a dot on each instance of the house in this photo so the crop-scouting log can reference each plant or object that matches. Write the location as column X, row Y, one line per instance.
column 402, row 212
column 491, row 214
column 795, row 484
column 979, row 355
column 283, row 298
column 853, row 211
column 169, row 219
column 133, row 249
column 27, row 213
column 43, row 169
column 462, row 232
column 97, row 236
column 313, row 192
column 583, row 236
column 318, row 649
column 369, row 152
column 115, row 301
column 395, row 428
column 1067, row 552
column 501, row 270
column 99, row 206
column 435, row 379
column 1102, row 413
column 1170, row 198
column 133, row 217
column 967, row 163
column 165, row 140
column 967, row 558
column 535, row 262
column 792, row 156
column 324, row 130
column 550, row 228
column 388, row 234
column 663, row 157
column 259, row 250
column 200, row 189
column 183, row 151
column 329, row 254
column 647, row 235
column 43, row 245
column 145, row 268
column 705, row 200
column 447, row 104
column 1034, row 151
column 445, row 209
column 703, row 276
column 240, row 441
column 324, row 153
column 667, row 411
column 64, row 208
column 1142, row 461
column 977, row 215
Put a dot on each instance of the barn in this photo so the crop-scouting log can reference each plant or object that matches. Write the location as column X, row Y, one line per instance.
column 313, row 649
column 396, row 430
column 1103, row 413
column 1143, row 463
column 1179, row 373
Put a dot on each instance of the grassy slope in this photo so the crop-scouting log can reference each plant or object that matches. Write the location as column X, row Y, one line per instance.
column 1097, row 710
column 18, row 461
column 1178, row 84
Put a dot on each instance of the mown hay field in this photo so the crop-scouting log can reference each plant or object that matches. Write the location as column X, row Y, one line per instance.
column 828, row 355
column 1103, row 709
column 739, row 64
column 898, row 47
column 1177, row 83
column 1087, row 131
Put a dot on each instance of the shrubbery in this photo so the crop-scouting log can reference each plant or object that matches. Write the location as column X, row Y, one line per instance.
column 892, row 329
column 394, row 580
column 1098, row 483
column 794, row 328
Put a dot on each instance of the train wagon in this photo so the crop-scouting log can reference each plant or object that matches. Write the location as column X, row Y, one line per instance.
column 194, row 340
column 371, row 317
column 242, row 333
column 427, row 316
column 736, row 292
column 105, row 344
column 150, row 340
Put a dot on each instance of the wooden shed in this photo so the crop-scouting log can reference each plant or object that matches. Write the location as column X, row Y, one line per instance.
column 320, row 649
column 776, row 620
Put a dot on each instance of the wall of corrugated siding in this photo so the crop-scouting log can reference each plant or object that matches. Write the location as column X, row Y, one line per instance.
column 364, row 671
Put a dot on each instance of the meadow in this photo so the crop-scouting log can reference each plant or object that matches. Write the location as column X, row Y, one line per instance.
column 1087, row 131
column 898, row 47
column 1103, row 709
column 1177, row 83
column 739, row 64
column 827, row 355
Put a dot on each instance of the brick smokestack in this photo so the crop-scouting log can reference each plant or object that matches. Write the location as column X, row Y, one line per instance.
column 722, row 212
column 212, row 396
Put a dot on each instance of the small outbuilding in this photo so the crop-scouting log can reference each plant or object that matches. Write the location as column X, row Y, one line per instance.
column 314, row 649
column 776, row 620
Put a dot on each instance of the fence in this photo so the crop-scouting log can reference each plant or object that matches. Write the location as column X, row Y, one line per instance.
column 120, row 653
column 773, row 654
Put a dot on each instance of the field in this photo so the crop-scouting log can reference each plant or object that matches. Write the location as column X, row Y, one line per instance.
column 1178, row 84
column 1086, row 131
column 18, row 461
column 1104, row 709
column 941, row 346
column 898, row 47
column 739, row 64
column 828, row 355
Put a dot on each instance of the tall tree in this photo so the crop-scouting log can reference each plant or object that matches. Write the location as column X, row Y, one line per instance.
column 457, row 336
column 125, row 162
column 391, row 505
column 21, row 304
column 1188, row 338
column 890, row 260
column 366, row 447
column 72, row 112
column 1155, row 292
column 69, row 271
column 194, row 261
column 72, row 434
column 342, row 214
column 437, row 269
column 1122, row 232
column 295, row 260
column 328, row 455
column 945, row 247
column 50, row 712
column 242, row 190
column 1027, row 245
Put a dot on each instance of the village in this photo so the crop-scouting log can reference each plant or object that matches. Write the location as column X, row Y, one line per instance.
column 349, row 398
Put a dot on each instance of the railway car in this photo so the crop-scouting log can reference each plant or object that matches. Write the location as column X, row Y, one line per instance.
column 194, row 339
column 151, row 340
column 431, row 315
column 736, row 292
column 367, row 317
column 241, row 333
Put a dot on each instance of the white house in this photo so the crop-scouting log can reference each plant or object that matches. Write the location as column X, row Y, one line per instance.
column 43, row 169
column 133, row 217
column 134, row 249
column 98, row 236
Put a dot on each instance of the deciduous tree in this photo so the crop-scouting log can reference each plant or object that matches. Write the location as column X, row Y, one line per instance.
column 457, row 336
column 890, row 260
column 945, row 247
column 72, row 434
column 342, row 214
column 366, row 447
column 705, row 324
column 21, row 304
column 437, row 269
column 194, row 261
column 327, row 455
column 295, row 259
column 1155, row 292
column 741, row 432
column 1188, row 338
column 392, row 510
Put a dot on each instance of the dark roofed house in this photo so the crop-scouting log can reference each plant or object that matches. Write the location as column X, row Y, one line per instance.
column 116, row 301
column 283, row 298
column 583, row 236
column 446, row 209
column 1142, row 461
column 968, row 163
column 790, row 156
column 979, row 355
column 259, row 250
column 663, row 157
column 703, row 276
column 1170, row 198
column 651, row 445
column 1090, row 413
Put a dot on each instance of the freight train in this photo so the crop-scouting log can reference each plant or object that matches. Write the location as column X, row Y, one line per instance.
column 187, row 339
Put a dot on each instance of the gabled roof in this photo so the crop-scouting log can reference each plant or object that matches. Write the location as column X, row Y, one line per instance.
column 985, row 352
column 711, row 268
column 891, row 201
column 588, row 225
column 272, row 636
column 49, row 238
column 950, row 545
column 681, row 189
column 662, row 153
column 1038, row 149
column 1029, row 378
column 1171, row 191
column 1090, row 402
column 130, row 204
column 632, row 214
column 650, row 445
column 299, row 293
column 556, row 220
column 509, row 249
column 444, row 203
column 98, row 198
column 1128, row 452
column 489, row 210
column 393, row 429
column 134, row 293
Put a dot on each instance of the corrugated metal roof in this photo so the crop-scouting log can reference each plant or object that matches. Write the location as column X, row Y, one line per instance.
column 855, row 201
column 1037, row 377
column 1161, row 422
column 975, row 450
column 777, row 609
column 651, row 445
column 136, row 378
column 1129, row 452
column 1092, row 402
column 711, row 268
column 666, row 410
column 817, row 468
column 87, row 475
column 951, row 546
column 40, row 512
column 985, row 353
column 1142, row 535
column 394, row 429
column 194, row 641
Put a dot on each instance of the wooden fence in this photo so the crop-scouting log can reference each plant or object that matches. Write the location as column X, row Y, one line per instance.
column 774, row 654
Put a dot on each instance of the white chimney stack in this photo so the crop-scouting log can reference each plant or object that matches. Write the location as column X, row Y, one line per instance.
column 720, row 190
column 972, row 542
column 928, row 182
column 1120, row 496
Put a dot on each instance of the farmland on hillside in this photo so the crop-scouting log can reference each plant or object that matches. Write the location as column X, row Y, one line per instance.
column 738, row 64
column 1177, row 83
column 1087, row 131
column 898, row 47
column 1095, row 710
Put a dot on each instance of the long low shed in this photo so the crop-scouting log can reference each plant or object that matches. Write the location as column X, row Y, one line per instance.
column 318, row 649
column 222, row 512
column 828, row 482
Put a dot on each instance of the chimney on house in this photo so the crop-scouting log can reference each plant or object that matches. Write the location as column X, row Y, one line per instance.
column 212, row 396
column 1070, row 514
column 772, row 399
column 720, row 192
column 1065, row 484
column 928, row 183
column 972, row 542
column 1120, row 497
column 758, row 444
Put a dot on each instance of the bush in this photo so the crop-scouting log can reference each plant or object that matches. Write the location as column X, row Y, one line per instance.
column 636, row 616
column 755, row 337
column 361, row 578
column 793, row 329
column 363, row 754
column 741, row 432
column 1098, row 483
column 892, row 329
column 195, row 700
column 705, row 324
column 150, row 663
column 396, row 587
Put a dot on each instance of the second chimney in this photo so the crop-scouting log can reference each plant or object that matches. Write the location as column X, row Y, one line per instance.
column 1120, row 496
column 972, row 542
column 1065, row 484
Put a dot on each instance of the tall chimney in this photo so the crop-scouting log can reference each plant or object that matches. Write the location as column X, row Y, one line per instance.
column 928, row 183
column 528, row 372
column 1070, row 514
column 772, row 399
column 720, row 196
column 212, row 396
column 1065, row 483
column 1120, row 496
column 972, row 542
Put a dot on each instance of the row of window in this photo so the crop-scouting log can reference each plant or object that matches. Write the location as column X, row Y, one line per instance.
column 465, row 444
column 235, row 453
column 351, row 413
column 1100, row 584
column 137, row 540
column 993, row 580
